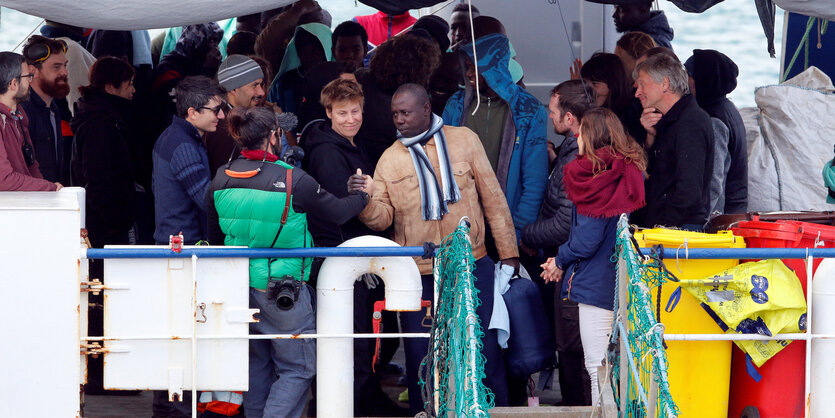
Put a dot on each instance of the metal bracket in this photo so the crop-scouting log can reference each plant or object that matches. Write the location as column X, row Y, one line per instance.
column 96, row 286
column 175, row 384
column 202, row 308
column 95, row 349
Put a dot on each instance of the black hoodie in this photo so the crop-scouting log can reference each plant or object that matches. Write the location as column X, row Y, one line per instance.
column 715, row 76
column 331, row 159
column 101, row 163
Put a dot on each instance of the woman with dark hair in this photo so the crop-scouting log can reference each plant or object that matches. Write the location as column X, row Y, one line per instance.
column 614, row 90
column 260, row 202
column 101, row 158
column 630, row 47
column 604, row 181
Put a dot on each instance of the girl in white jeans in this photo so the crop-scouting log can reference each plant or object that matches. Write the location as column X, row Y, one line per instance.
column 604, row 181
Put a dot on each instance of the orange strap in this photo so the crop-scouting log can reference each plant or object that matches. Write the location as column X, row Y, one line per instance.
column 242, row 174
column 289, row 193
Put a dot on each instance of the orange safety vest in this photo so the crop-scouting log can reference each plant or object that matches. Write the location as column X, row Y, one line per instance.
column 224, row 403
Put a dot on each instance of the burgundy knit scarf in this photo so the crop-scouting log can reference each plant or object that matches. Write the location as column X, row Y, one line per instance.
column 618, row 189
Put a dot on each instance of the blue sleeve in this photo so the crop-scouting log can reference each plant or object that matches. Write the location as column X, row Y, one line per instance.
column 191, row 172
column 534, row 171
column 453, row 109
column 586, row 237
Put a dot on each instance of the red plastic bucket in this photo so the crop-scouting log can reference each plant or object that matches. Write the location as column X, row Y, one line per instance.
column 781, row 390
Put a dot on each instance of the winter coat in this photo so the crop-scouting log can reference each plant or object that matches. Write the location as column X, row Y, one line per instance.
column 377, row 132
column 101, row 163
column 715, row 76
column 15, row 175
column 53, row 154
column 331, row 160
column 680, row 166
column 221, row 148
column 658, row 28
column 554, row 222
column 522, row 169
column 247, row 210
column 397, row 199
column 586, row 259
column 180, row 181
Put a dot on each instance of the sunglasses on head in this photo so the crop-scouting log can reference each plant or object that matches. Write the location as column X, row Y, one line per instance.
column 41, row 52
column 216, row 110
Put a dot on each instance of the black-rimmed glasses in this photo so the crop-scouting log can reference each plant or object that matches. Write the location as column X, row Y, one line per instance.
column 29, row 76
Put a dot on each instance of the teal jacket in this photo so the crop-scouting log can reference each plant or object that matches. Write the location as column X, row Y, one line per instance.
column 245, row 207
column 523, row 162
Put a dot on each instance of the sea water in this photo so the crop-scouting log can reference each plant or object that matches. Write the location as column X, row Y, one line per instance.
column 731, row 27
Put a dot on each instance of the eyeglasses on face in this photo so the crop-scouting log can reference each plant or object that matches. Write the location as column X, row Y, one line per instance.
column 41, row 52
column 217, row 109
column 29, row 76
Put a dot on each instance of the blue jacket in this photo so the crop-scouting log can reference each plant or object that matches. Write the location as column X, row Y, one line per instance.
column 524, row 175
column 180, row 182
column 587, row 261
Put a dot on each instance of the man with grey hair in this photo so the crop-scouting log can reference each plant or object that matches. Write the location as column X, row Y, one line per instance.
column 242, row 78
column 680, row 146
column 18, row 166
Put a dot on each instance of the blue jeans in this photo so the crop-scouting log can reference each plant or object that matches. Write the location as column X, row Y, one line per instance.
column 416, row 348
column 280, row 371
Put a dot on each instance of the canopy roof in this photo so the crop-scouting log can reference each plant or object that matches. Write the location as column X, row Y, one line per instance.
column 151, row 14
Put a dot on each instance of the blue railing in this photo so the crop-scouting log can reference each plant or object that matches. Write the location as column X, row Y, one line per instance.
column 671, row 253
column 220, row 252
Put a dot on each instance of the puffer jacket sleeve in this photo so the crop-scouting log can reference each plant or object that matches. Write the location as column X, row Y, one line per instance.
column 554, row 223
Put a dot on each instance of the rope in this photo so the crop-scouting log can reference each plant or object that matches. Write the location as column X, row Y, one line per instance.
column 452, row 372
column 646, row 351
column 804, row 44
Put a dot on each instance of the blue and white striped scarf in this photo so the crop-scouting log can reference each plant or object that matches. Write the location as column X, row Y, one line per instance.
column 433, row 197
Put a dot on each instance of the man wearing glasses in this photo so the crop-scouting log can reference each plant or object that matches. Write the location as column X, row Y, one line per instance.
column 18, row 166
column 181, row 165
column 47, row 108
column 180, row 181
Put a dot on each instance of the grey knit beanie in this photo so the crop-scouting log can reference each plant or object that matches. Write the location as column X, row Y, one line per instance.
column 237, row 71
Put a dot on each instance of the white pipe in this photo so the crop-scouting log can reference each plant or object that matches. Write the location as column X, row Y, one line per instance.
column 262, row 336
column 745, row 337
column 193, row 337
column 334, row 315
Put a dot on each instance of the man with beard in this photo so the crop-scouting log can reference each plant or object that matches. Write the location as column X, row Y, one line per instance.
column 18, row 167
column 570, row 100
column 47, row 107
column 243, row 80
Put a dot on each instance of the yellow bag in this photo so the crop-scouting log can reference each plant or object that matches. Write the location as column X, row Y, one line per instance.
column 762, row 297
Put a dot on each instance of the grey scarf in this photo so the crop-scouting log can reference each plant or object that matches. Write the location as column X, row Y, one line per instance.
column 433, row 197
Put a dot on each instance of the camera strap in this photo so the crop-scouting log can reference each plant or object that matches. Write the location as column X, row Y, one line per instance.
column 289, row 193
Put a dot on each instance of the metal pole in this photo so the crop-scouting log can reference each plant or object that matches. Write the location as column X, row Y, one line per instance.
column 226, row 252
column 808, row 369
column 259, row 337
column 194, row 336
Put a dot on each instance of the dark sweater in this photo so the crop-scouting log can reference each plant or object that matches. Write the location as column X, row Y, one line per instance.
column 180, row 181
column 377, row 132
column 680, row 167
column 52, row 149
column 331, row 159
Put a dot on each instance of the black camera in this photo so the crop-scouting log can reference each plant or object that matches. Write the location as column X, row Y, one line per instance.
column 28, row 154
column 285, row 291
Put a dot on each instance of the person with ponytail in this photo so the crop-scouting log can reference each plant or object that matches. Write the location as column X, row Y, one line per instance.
column 249, row 204
column 606, row 180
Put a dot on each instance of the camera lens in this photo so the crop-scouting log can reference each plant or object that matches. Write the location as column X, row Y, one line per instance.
column 285, row 299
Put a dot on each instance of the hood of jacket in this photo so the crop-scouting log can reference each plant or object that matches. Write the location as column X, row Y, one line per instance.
column 493, row 54
column 713, row 73
column 97, row 105
column 291, row 57
column 658, row 27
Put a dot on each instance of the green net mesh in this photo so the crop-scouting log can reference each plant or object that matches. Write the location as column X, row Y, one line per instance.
column 452, row 373
column 647, row 359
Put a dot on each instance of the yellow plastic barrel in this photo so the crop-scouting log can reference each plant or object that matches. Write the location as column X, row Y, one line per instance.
column 699, row 371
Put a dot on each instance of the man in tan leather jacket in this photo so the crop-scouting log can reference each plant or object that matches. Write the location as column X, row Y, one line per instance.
column 427, row 207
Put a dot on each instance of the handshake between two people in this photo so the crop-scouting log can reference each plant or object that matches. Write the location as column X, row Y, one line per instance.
column 361, row 182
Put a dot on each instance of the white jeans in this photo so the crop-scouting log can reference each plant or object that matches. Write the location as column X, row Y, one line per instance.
column 595, row 326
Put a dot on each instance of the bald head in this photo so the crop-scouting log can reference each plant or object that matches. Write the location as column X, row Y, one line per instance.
column 416, row 91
